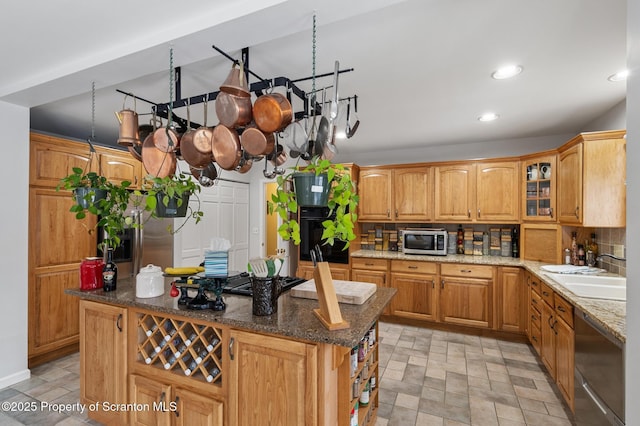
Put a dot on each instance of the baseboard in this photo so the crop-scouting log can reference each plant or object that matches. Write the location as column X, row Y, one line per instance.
column 12, row 379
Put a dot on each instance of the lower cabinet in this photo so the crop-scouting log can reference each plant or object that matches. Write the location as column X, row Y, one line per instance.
column 371, row 271
column 466, row 293
column 338, row 271
column 285, row 390
column 510, row 312
column 172, row 405
column 416, row 285
column 103, row 360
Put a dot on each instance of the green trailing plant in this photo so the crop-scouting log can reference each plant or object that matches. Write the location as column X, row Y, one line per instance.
column 110, row 210
column 342, row 200
column 177, row 188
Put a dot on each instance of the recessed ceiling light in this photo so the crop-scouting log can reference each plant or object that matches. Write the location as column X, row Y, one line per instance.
column 619, row 76
column 507, row 72
column 488, row 116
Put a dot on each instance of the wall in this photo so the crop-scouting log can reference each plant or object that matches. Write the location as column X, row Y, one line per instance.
column 632, row 367
column 613, row 119
column 14, row 252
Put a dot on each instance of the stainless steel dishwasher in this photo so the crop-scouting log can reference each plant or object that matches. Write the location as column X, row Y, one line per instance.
column 599, row 374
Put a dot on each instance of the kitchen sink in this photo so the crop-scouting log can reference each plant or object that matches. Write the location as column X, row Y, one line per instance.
column 593, row 286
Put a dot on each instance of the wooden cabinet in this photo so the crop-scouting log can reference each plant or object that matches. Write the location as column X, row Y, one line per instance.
column 510, row 313
column 172, row 405
column 338, row 271
column 417, row 292
column 118, row 166
column 552, row 335
column 466, row 293
column 591, row 180
column 541, row 242
column 398, row 194
column 103, row 359
column 287, row 368
column 539, row 188
column 371, row 271
column 478, row 192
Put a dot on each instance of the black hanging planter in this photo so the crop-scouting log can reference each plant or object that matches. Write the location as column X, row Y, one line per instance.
column 172, row 209
column 89, row 196
column 311, row 190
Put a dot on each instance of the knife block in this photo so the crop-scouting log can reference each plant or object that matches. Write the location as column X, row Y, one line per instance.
column 329, row 313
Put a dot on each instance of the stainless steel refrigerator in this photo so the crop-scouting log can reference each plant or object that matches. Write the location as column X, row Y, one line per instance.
column 151, row 243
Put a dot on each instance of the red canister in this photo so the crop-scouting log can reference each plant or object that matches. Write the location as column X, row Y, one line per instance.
column 91, row 273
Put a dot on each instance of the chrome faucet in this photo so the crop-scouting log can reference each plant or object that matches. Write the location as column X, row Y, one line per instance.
column 600, row 256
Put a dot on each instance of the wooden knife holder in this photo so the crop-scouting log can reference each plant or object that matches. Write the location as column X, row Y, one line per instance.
column 329, row 312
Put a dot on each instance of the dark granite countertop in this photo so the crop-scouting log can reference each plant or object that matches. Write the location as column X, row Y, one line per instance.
column 610, row 314
column 294, row 319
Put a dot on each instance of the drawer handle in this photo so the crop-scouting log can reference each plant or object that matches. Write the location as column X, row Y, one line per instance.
column 577, row 211
column 368, row 264
column 533, row 317
column 561, row 309
column 469, row 213
column 388, row 213
column 433, row 283
column 544, row 293
column 478, row 213
column 412, row 267
column 534, row 283
column 465, row 271
column 534, row 338
column 442, row 284
column 396, row 213
column 534, row 301
column 551, row 212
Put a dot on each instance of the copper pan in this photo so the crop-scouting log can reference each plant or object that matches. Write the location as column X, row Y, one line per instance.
column 136, row 149
column 236, row 82
column 226, row 148
column 272, row 112
column 203, row 134
column 165, row 139
column 232, row 110
column 255, row 142
column 245, row 164
column 156, row 162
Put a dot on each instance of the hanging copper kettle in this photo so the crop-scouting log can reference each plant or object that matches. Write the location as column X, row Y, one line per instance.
column 128, row 119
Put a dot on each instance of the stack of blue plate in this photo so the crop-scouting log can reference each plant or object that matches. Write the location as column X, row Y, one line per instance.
column 216, row 263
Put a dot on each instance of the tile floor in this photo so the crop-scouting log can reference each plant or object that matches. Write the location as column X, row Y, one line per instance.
column 428, row 377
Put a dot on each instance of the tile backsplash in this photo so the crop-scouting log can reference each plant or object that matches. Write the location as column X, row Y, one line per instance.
column 606, row 238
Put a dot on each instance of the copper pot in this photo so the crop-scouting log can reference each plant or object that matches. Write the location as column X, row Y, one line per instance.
column 226, row 148
column 245, row 164
column 272, row 112
column 203, row 134
column 232, row 110
column 156, row 162
column 255, row 142
column 165, row 139
column 236, row 82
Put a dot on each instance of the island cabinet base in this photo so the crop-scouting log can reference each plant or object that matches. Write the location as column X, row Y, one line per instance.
column 157, row 368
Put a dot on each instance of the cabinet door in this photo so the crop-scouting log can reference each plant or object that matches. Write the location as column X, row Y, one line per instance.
column 570, row 185
column 565, row 360
column 412, row 192
column 151, row 393
column 539, row 189
column 416, row 296
column 374, row 189
column 339, row 273
column 510, row 313
column 378, row 278
column 103, row 359
column 466, row 301
column 455, row 188
column 285, row 391
column 118, row 167
column 305, row 272
column 51, row 159
column 548, row 343
column 498, row 191
column 194, row 409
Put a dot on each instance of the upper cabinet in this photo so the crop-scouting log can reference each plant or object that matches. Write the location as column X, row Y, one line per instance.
column 398, row 194
column 52, row 158
column 591, row 180
column 119, row 166
column 539, row 188
column 478, row 192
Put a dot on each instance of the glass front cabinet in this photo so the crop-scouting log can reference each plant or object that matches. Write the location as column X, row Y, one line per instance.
column 539, row 189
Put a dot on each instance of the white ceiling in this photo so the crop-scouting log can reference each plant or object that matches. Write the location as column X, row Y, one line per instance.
column 421, row 67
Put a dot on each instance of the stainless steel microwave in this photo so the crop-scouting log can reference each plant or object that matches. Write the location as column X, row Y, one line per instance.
column 428, row 241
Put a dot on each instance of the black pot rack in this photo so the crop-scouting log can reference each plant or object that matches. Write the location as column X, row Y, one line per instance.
column 259, row 87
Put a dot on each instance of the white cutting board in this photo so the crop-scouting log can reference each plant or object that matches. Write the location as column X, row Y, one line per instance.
column 351, row 292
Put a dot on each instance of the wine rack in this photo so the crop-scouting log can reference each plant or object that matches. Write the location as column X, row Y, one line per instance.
column 362, row 376
column 181, row 347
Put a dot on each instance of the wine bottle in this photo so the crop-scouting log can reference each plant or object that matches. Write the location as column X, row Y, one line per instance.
column 109, row 272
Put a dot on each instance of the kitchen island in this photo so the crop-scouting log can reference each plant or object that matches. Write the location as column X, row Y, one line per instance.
column 152, row 361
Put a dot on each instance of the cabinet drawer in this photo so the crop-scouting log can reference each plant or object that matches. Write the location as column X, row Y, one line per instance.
column 536, row 301
column 536, row 318
column 413, row 266
column 547, row 294
column 368, row 264
column 465, row 270
column 535, row 284
column 564, row 309
column 536, row 338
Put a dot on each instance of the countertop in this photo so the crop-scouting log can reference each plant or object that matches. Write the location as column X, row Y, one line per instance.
column 611, row 314
column 294, row 319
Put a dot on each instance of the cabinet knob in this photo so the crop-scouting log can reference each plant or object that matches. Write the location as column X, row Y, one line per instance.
column 560, row 308
column 433, row 283
column 469, row 213
column 551, row 212
column 396, row 213
column 442, row 283
column 388, row 213
column 231, row 342
column 478, row 213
